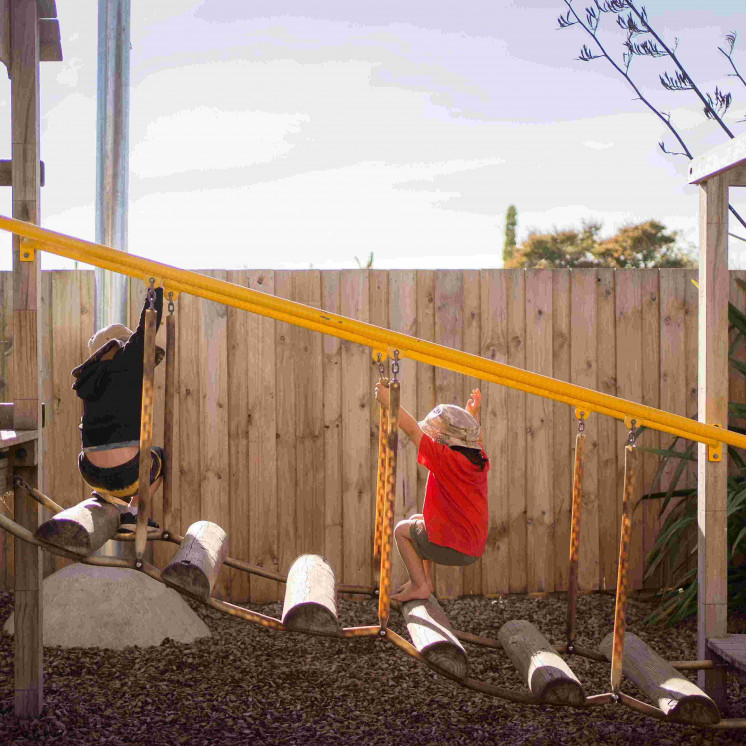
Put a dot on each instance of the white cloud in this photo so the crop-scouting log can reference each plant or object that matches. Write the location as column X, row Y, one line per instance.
column 594, row 145
column 208, row 138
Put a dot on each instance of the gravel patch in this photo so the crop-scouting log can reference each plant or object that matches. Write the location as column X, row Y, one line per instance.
column 249, row 685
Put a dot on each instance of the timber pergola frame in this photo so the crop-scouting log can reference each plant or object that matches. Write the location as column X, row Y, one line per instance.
column 715, row 173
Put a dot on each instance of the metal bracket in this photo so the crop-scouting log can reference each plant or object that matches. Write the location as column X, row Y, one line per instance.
column 715, row 453
column 28, row 253
column 581, row 414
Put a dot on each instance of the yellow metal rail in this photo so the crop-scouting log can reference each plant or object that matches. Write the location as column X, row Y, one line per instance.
column 377, row 338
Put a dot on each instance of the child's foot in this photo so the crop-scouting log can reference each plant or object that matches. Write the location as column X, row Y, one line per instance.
column 128, row 523
column 412, row 592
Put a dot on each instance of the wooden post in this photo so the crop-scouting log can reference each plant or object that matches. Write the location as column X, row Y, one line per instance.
column 714, row 288
column 26, row 365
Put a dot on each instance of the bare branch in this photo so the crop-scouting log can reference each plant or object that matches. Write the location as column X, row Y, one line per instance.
column 662, row 146
column 730, row 41
column 681, row 73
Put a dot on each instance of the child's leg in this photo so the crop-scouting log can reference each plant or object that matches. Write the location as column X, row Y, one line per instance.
column 419, row 587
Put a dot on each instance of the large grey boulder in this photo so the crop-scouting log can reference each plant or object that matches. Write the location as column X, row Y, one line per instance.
column 109, row 607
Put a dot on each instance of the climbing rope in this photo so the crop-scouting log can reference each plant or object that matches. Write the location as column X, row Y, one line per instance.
column 146, row 425
column 577, row 497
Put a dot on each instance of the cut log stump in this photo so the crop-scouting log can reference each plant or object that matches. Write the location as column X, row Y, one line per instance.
column 196, row 564
column 433, row 636
column 311, row 597
column 547, row 675
column 82, row 529
column 679, row 699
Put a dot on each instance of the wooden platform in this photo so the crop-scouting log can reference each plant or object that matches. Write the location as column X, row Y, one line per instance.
column 732, row 649
column 10, row 438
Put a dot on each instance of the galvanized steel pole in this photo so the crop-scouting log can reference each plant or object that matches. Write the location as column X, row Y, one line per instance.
column 112, row 154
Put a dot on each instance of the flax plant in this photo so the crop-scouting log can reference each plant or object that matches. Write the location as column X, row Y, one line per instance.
column 676, row 545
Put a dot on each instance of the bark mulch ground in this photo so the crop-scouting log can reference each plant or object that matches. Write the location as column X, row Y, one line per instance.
column 249, row 685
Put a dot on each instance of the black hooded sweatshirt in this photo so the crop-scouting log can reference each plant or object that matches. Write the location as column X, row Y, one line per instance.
column 111, row 390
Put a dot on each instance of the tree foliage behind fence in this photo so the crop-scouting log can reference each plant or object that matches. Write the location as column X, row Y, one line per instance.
column 276, row 425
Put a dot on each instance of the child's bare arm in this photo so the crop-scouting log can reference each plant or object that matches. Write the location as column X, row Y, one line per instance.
column 474, row 405
column 407, row 423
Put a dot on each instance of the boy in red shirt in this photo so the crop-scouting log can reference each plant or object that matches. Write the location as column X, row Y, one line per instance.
column 452, row 529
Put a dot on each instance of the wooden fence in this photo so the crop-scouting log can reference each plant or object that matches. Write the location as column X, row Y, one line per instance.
column 276, row 426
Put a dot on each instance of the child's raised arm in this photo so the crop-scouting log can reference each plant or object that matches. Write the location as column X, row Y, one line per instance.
column 407, row 423
column 474, row 405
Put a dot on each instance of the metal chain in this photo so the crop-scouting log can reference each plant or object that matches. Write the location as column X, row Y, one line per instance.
column 381, row 369
column 395, row 364
column 151, row 294
column 581, row 423
column 171, row 306
column 632, row 434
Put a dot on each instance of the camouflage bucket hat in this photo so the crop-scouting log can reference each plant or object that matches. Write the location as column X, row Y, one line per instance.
column 118, row 332
column 452, row 426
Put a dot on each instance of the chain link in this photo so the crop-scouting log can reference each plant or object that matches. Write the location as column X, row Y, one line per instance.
column 171, row 306
column 581, row 423
column 632, row 434
column 151, row 294
column 381, row 369
column 395, row 364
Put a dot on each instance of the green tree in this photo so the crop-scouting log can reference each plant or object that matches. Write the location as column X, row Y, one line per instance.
column 640, row 245
column 511, row 220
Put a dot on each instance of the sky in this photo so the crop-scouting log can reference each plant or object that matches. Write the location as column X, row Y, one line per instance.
column 296, row 134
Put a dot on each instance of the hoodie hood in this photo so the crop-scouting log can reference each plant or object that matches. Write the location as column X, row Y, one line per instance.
column 90, row 375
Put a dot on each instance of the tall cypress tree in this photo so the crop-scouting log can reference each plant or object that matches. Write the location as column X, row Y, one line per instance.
column 511, row 220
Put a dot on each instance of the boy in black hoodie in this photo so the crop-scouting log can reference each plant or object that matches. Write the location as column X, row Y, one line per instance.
column 110, row 385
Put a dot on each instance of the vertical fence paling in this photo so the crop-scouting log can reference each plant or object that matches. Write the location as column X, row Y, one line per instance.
column 579, row 320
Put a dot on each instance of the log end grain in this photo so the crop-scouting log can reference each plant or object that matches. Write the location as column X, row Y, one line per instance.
column 196, row 564
column 82, row 529
column 433, row 636
column 311, row 597
column 546, row 674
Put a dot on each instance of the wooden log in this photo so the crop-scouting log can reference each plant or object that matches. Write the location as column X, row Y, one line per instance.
column 677, row 697
column 196, row 564
column 82, row 529
column 311, row 597
column 548, row 676
column 433, row 636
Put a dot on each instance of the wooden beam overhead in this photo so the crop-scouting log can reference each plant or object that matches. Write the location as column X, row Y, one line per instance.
column 50, row 45
column 47, row 8
column 718, row 159
column 5, row 33
column 6, row 173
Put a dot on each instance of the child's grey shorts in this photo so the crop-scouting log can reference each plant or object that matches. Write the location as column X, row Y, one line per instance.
column 435, row 552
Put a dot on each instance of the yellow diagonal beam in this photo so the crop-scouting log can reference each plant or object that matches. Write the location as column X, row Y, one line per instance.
column 379, row 339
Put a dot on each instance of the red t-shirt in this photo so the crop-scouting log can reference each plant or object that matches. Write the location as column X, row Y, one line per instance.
column 455, row 512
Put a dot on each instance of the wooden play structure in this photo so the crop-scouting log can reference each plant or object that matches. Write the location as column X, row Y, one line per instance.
column 311, row 588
